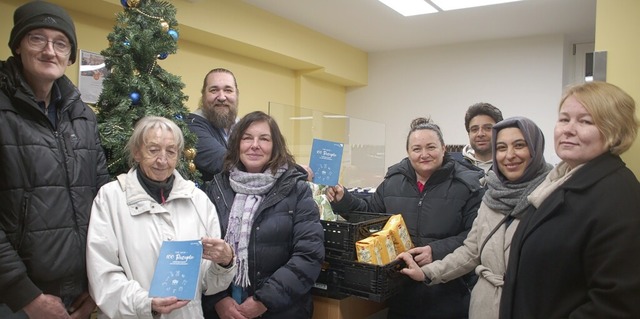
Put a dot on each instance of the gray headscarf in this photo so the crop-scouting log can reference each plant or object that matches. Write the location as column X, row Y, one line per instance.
column 535, row 141
column 510, row 197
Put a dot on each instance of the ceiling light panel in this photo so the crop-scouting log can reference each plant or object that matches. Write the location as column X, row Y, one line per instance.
column 409, row 7
column 462, row 4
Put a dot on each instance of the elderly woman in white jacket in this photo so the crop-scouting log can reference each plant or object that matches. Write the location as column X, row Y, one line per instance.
column 132, row 216
column 518, row 168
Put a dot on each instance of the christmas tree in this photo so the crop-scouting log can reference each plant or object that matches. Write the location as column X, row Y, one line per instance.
column 145, row 32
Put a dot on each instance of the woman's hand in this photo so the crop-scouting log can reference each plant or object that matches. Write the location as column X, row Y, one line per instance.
column 227, row 308
column 421, row 255
column 252, row 308
column 167, row 305
column 335, row 193
column 82, row 307
column 217, row 250
column 413, row 270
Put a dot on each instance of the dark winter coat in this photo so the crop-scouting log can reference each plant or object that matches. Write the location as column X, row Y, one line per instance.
column 48, row 179
column 286, row 248
column 211, row 146
column 577, row 255
column 440, row 216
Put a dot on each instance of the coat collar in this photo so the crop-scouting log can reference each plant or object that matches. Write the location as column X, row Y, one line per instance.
column 137, row 196
column 592, row 172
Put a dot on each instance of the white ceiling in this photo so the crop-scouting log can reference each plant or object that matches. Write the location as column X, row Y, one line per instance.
column 373, row 27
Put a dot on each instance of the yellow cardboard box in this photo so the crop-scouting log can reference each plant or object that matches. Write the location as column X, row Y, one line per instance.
column 401, row 239
column 388, row 248
column 369, row 250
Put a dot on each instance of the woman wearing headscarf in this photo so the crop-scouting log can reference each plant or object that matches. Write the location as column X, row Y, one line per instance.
column 519, row 167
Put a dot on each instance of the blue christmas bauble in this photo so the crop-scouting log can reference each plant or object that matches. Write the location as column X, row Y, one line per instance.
column 173, row 34
column 135, row 98
column 124, row 3
column 126, row 43
column 163, row 56
column 179, row 117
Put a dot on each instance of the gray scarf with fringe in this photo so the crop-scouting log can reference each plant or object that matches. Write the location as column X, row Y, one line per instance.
column 250, row 189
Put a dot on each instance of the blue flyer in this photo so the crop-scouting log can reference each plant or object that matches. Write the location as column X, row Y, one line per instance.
column 177, row 270
column 325, row 161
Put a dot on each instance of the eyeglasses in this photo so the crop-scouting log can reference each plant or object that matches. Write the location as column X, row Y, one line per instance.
column 39, row 42
column 485, row 128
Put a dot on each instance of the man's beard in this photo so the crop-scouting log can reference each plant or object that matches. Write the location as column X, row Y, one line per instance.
column 220, row 117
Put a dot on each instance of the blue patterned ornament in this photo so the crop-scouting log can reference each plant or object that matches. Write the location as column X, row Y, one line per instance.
column 179, row 117
column 173, row 34
column 124, row 3
column 135, row 98
column 126, row 43
column 163, row 56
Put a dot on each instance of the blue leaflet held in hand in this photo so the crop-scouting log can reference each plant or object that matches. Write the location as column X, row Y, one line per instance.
column 177, row 270
column 325, row 161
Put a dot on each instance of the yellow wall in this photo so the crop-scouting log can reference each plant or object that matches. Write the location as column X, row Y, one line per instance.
column 273, row 59
column 617, row 31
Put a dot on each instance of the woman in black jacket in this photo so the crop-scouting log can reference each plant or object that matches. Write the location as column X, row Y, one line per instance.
column 271, row 220
column 438, row 198
column 576, row 255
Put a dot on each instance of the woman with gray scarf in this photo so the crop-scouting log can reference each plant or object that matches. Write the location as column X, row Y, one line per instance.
column 519, row 167
column 269, row 217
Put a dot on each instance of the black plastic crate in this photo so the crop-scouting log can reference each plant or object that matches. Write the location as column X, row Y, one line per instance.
column 372, row 282
column 340, row 237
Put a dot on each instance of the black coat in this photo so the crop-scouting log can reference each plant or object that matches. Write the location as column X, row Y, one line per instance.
column 440, row 216
column 578, row 254
column 286, row 248
column 48, row 179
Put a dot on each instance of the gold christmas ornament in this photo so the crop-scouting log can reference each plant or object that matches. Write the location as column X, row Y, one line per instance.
column 192, row 167
column 190, row 154
column 133, row 3
column 165, row 25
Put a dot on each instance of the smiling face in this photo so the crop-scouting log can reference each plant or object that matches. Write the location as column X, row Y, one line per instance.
column 43, row 66
column 577, row 138
column 158, row 157
column 480, row 136
column 425, row 152
column 512, row 153
column 256, row 146
column 220, row 99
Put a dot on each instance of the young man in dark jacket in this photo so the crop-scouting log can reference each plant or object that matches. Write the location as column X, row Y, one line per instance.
column 51, row 166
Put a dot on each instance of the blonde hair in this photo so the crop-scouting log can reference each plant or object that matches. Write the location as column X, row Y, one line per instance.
column 613, row 112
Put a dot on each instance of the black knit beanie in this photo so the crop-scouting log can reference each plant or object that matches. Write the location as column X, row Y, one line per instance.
column 41, row 14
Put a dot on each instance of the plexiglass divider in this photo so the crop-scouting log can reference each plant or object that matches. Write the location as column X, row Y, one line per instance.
column 363, row 155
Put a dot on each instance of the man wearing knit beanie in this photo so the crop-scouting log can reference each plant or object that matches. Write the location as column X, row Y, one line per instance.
column 52, row 165
column 40, row 14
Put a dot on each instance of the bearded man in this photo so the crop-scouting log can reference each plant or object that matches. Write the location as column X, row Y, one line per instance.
column 213, row 120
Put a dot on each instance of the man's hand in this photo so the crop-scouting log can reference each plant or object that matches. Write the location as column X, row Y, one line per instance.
column 46, row 307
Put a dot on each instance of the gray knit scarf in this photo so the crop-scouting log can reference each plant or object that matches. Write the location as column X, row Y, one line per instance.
column 250, row 189
column 508, row 198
